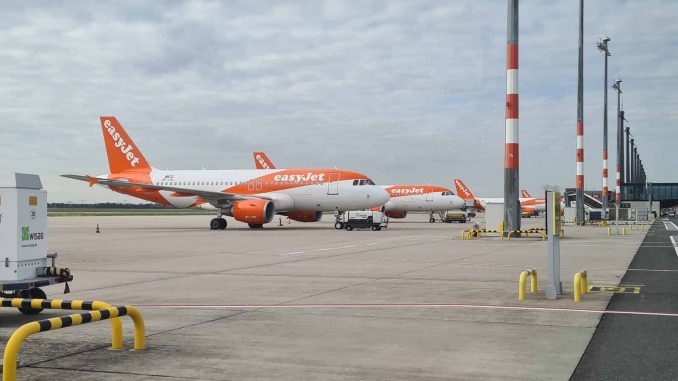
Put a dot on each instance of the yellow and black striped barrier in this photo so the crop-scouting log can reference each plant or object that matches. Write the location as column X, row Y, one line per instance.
column 26, row 330
column 523, row 280
column 581, row 285
column 56, row 304
column 469, row 234
column 527, row 233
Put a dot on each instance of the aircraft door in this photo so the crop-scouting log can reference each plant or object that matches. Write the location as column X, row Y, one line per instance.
column 333, row 183
column 428, row 196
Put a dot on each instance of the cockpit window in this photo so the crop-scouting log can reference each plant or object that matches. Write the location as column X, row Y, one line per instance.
column 448, row 194
column 369, row 182
column 355, row 182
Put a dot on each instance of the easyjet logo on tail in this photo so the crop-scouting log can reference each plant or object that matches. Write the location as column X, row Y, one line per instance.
column 125, row 147
column 262, row 162
column 462, row 190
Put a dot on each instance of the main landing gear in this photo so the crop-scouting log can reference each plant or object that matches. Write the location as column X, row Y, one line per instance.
column 218, row 223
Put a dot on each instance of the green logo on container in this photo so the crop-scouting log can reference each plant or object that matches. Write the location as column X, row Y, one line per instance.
column 26, row 234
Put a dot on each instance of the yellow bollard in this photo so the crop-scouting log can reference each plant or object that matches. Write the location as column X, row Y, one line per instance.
column 623, row 231
column 577, row 287
column 584, row 283
column 463, row 232
column 523, row 280
column 533, row 283
column 609, row 231
column 521, row 285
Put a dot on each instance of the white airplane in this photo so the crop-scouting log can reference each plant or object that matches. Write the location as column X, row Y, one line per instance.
column 528, row 205
column 251, row 196
column 404, row 198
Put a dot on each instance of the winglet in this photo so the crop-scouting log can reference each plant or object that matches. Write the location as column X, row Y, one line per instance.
column 91, row 180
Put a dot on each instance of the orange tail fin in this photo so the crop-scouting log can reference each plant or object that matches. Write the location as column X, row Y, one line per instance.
column 261, row 161
column 525, row 194
column 123, row 154
column 463, row 191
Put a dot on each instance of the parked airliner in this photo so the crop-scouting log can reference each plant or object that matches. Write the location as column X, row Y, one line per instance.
column 404, row 198
column 250, row 196
column 529, row 205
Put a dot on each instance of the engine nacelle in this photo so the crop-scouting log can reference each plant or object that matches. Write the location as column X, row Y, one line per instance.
column 252, row 211
column 305, row 216
column 396, row 214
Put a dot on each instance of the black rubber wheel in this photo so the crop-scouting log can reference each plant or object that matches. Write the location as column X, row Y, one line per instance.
column 432, row 220
column 33, row 293
column 349, row 228
column 215, row 224
column 338, row 225
column 222, row 223
column 374, row 228
column 378, row 228
column 255, row 226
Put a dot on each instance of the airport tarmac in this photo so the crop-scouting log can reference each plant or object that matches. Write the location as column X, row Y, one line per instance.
column 306, row 301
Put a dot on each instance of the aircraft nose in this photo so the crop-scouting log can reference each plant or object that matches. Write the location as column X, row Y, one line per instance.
column 381, row 195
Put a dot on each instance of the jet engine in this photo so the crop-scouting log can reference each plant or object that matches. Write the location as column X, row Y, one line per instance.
column 254, row 212
column 304, row 216
column 396, row 214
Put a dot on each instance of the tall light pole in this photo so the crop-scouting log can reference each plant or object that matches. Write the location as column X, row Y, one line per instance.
column 632, row 153
column 581, row 218
column 602, row 46
column 511, row 154
column 627, row 150
column 617, row 189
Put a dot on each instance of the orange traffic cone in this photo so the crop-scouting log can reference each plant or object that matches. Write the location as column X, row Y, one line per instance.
column 98, row 229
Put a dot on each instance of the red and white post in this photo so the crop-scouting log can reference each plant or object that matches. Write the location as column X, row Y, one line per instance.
column 511, row 155
column 581, row 216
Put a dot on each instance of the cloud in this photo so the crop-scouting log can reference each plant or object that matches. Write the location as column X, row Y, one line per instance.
column 407, row 92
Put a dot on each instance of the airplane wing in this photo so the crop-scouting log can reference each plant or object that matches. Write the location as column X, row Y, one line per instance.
column 214, row 198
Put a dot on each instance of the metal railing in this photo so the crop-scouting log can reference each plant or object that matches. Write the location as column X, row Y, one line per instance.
column 26, row 330
column 56, row 304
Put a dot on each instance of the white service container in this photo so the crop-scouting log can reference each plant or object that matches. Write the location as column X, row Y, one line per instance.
column 23, row 226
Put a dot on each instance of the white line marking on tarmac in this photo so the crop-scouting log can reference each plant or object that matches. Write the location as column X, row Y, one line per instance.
column 368, row 306
column 653, row 270
column 673, row 227
column 675, row 245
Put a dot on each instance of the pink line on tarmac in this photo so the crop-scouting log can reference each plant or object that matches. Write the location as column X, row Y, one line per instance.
column 353, row 306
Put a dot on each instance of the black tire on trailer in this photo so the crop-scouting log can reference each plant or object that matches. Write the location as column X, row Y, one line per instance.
column 338, row 225
column 432, row 220
column 378, row 228
column 349, row 228
column 374, row 228
column 33, row 293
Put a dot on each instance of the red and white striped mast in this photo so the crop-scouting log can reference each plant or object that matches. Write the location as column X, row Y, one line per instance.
column 581, row 217
column 511, row 155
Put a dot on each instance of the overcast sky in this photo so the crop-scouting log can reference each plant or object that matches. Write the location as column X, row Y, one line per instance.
column 403, row 91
